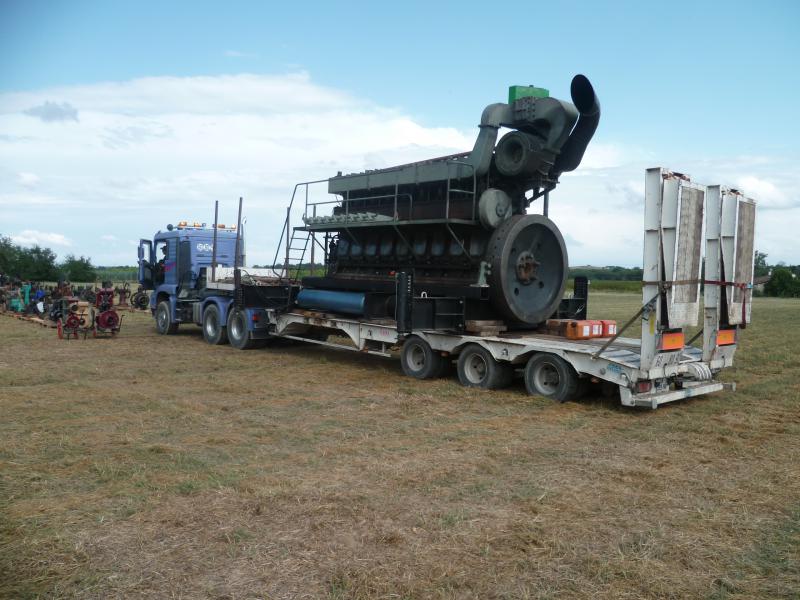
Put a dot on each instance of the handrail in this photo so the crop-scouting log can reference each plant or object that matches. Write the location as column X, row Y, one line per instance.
column 288, row 216
column 345, row 201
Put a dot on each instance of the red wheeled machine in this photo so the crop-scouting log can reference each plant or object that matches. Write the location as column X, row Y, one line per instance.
column 106, row 319
column 71, row 318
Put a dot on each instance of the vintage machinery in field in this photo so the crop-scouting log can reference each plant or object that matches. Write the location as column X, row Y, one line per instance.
column 71, row 315
column 105, row 318
column 140, row 300
column 458, row 224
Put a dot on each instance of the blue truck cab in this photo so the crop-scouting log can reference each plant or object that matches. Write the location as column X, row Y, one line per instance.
column 176, row 263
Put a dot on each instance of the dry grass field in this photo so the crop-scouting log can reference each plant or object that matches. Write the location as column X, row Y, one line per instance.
column 152, row 467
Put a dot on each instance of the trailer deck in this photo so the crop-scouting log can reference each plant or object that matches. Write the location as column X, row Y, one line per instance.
column 619, row 363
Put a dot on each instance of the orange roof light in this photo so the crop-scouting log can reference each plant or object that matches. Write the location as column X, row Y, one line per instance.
column 672, row 341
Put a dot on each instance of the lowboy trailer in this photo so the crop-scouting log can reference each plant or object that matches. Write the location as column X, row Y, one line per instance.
column 250, row 307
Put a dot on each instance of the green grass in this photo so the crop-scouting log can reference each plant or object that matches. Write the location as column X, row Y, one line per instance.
column 150, row 466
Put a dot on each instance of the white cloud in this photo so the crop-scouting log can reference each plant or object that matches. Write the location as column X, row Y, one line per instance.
column 109, row 238
column 31, row 237
column 53, row 111
column 768, row 194
column 152, row 151
column 28, row 179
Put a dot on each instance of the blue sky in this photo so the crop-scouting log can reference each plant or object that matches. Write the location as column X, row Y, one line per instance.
column 709, row 88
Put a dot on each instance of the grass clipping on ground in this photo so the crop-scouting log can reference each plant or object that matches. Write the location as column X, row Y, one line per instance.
column 153, row 467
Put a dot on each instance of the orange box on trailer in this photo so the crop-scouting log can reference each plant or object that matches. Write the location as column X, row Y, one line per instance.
column 578, row 330
column 597, row 328
column 556, row 326
column 609, row 327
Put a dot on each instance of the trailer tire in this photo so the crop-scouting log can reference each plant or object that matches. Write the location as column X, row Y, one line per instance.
column 238, row 335
column 478, row 368
column 419, row 360
column 551, row 376
column 164, row 323
column 213, row 332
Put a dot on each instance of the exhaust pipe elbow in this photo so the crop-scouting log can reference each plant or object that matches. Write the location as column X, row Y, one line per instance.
column 585, row 100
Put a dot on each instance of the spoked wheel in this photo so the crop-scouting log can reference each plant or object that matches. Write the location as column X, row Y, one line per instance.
column 551, row 376
column 420, row 361
column 478, row 368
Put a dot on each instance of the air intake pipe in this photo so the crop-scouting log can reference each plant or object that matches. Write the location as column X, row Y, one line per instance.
column 585, row 100
column 493, row 117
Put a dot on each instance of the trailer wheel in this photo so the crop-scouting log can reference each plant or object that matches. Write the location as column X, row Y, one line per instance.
column 213, row 332
column 419, row 360
column 238, row 335
column 478, row 368
column 164, row 323
column 551, row 376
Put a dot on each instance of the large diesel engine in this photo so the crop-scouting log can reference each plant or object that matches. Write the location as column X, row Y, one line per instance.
column 458, row 224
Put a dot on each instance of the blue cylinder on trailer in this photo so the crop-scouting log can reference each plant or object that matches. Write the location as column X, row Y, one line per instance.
column 350, row 303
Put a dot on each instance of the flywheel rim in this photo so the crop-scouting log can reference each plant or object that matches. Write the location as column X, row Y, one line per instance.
column 529, row 267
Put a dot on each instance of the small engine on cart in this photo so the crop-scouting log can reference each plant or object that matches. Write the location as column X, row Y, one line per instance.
column 70, row 315
column 106, row 319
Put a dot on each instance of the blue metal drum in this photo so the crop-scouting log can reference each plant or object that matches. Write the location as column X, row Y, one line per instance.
column 349, row 303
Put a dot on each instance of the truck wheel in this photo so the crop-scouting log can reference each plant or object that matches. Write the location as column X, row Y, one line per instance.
column 419, row 360
column 551, row 376
column 213, row 332
column 238, row 335
column 478, row 368
column 164, row 323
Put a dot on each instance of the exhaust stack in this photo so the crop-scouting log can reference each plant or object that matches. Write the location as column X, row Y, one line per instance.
column 585, row 100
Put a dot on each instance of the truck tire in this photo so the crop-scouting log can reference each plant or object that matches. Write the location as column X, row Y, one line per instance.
column 478, row 368
column 164, row 323
column 238, row 335
column 551, row 376
column 419, row 360
column 213, row 332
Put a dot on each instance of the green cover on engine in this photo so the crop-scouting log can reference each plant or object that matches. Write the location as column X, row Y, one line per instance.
column 515, row 92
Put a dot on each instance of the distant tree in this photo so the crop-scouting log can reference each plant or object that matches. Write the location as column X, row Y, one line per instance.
column 9, row 255
column 37, row 264
column 78, row 269
column 782, row 284
column 761, row 267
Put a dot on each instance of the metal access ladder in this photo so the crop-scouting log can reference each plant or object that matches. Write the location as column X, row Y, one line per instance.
column 295, row 242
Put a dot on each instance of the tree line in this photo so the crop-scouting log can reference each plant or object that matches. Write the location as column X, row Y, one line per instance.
column 784, row 280
column 41, row 264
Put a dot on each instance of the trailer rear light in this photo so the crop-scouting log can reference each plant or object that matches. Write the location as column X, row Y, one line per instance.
column 672, row 341
column 726, row 337
column 643, row 386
